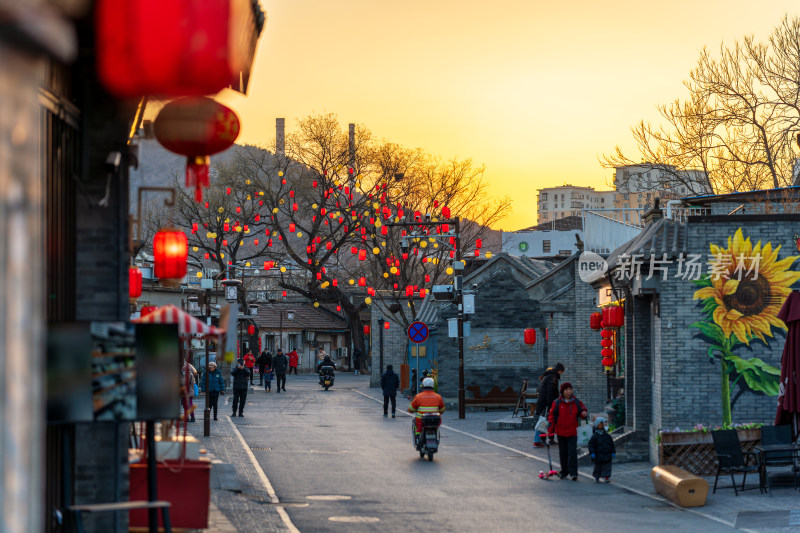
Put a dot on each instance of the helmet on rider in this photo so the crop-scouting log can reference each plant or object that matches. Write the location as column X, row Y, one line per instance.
column 427, row 383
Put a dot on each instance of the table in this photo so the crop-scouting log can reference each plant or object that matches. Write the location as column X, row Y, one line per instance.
column 765, row 449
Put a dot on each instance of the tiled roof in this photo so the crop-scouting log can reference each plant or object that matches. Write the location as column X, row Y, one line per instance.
column 306, row 317
column 660, row 237
column 572, row 222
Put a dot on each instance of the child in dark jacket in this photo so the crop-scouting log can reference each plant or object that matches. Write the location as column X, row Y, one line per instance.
column 268, row 375
column 602, row 450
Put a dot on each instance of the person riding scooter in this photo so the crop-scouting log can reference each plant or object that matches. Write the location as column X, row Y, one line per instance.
column 427, row 401
column 327, row 361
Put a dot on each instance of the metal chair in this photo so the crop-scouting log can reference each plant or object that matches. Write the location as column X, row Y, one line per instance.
column 771, row 435
column 731, row 459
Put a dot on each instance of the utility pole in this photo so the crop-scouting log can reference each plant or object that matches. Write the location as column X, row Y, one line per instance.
column 207, row 284
column 381, row 322
column 457, row 296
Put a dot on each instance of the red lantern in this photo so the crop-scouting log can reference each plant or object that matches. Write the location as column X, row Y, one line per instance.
column 607, row 352
column 146, row 310
column 170, row 251
column 613, row 316
column 607, row 361
column 595, row 320
column 196, row 127
column 134, row 283
column 251, row 329
column 366, row 329
column 175, row 48
column 530, row 336
column 606, row 343
column 386, row 325
column 606, row 333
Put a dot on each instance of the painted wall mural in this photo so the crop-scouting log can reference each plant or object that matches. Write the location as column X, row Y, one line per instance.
column 740, row 296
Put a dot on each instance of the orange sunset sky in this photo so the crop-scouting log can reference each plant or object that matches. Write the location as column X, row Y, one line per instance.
column 537, row 91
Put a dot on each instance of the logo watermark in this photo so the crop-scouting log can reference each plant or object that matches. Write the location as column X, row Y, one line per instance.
column 592, row 266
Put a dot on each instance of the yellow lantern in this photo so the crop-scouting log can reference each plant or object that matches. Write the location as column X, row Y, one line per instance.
column 368, row 300
column 199, row 274
column 449, row 270
column 283, row 269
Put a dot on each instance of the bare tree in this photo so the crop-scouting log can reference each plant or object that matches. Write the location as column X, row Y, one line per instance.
column 737, row 124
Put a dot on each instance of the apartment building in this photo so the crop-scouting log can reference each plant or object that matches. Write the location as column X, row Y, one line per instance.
column 568, row 200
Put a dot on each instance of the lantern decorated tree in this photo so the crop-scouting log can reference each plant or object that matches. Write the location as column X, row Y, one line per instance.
column 196, row 127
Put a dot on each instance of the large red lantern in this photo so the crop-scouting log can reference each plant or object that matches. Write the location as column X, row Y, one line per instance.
column 366, row 329
column 613, row 316
column 174, row 47
column 196, row 127
column 170, row 251
column 251, row 329
column 530, row 336
column 134, row 283
column 595, row 320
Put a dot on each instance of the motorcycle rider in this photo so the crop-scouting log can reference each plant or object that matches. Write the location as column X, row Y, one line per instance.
column 427, row 401
column 327, row 361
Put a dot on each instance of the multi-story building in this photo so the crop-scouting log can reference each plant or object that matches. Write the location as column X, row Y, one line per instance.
column 569, row 200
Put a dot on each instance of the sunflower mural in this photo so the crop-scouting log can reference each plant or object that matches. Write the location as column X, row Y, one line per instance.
column 741, row 295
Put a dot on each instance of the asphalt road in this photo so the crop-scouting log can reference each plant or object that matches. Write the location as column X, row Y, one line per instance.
column 337, row 465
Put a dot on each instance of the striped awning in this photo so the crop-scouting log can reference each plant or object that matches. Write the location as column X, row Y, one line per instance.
column 188, row 326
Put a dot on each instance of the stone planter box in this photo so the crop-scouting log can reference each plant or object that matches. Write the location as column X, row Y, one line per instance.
column 694, row 450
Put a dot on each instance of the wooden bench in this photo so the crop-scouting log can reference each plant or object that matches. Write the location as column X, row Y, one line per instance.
column 77, row 511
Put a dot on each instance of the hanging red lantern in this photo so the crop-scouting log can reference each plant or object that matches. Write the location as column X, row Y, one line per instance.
column 422, row 293
column 251, row 329
column 362, row 282
column 196, row 127
column 146, row 310
column 530, row 336
column 606, row 333
column 607, row 352
column 292, row 227
column 366, row 329
column 170, row 251
column 607, row 362
column 613, row 316
column 178, row 48
column 386, row 324
column 134, row 283
column 606, row 343
column 446, row 212
column 595, row 320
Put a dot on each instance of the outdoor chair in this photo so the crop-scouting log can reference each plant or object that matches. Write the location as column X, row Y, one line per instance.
column 731, row 459
column 778, row 435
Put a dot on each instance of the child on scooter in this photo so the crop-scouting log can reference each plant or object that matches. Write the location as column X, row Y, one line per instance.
column 268, row 375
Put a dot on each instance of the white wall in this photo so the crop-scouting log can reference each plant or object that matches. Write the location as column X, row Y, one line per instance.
column 533, row 242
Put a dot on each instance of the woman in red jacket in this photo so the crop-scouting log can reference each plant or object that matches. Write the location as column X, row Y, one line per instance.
column 565, row 415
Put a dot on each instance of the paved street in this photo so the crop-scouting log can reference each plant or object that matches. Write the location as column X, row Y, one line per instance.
column 335, row 464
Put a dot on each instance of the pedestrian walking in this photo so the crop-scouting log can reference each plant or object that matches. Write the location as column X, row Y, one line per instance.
column 250, row 363
column 356, row 360
column 389, row 383
column 547, row 394
column 601, row 450
column 188, row 381
column 261, row 363
column 216, row 386
column 268, row 375
column 280, row 363
column 240, row 386
column 293, row 357
column 565, row 415
column 413, row 388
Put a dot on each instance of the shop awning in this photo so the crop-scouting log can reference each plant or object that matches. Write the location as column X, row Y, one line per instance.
column 188, row 326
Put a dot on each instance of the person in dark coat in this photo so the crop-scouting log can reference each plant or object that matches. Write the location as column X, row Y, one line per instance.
column 390, row 382
column 216, row 386
column 602, row 451
column 280, row 363
column 261, row 363
column 356, row 360
column 565, row 415
column 241, row 383
column 547, row 394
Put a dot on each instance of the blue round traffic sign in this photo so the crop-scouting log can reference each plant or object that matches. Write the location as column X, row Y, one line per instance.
column 417, row 332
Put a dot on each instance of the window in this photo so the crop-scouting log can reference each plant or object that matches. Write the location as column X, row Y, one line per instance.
column 543, row 196
column 546, row 247
column 565, row 252
column 602, row 200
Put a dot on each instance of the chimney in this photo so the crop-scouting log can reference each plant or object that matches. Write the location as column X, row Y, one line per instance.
column 280, row 137
column 655, row 214
column 351, row 161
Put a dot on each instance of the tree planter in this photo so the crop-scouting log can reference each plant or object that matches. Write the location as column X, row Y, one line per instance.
column 694, row 450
